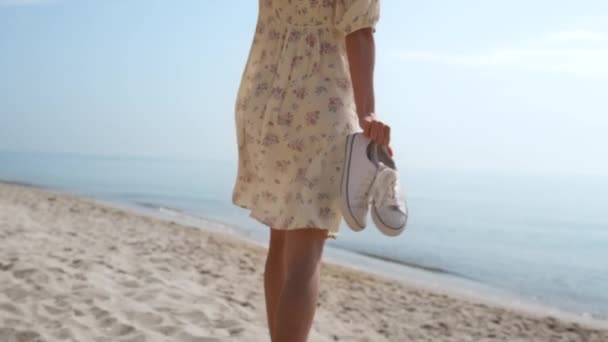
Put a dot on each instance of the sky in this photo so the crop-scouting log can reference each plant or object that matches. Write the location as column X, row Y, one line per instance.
column 505, row 86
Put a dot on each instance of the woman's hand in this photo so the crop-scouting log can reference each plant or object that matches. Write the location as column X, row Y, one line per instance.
column 376, row 130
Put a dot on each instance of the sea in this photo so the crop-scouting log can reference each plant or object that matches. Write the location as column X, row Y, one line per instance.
column 534, row 239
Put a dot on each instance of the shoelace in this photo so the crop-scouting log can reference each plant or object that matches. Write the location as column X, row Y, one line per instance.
column 386, row 189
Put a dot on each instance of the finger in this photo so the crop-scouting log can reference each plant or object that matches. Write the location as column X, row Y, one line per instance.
column 370, row 130
column 380, row 134
column 367, row 129
column 390, row 150
column 385, row 135
column 374, row 132
column 387, row 138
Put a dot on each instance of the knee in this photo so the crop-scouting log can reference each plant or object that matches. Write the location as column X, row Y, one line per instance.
column 303, row 252
column 301, row 272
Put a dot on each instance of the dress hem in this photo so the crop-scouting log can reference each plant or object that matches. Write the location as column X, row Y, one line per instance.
column 252, row 214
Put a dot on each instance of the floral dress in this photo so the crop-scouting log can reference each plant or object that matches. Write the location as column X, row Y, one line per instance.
column 294, row 109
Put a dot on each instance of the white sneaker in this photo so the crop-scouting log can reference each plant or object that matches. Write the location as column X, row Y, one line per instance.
column 389, row 210
column 358, row 175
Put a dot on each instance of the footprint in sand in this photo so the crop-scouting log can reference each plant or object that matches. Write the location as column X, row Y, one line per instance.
column 6, row 267
column 196, row 317
column 110, row 324
column 132, row 284
column 147, row 319
column 16, row 293
column 136, row 338
column 147, row 296
column 99, row 313
column 64, row 334
column 10, row 308
column 167, row 330
column 233, row 327
column 10, row 335
column 174, row 295
column 24, row 273
column 113, row 327
column 55, row 311
column 186, row 337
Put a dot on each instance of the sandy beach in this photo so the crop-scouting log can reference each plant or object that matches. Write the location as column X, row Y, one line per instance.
column 75, row 270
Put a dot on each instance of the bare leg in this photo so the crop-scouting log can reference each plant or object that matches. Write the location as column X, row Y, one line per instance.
column 298, row 301
column 274, row 275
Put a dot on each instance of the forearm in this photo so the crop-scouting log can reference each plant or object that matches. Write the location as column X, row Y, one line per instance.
column 360, row 48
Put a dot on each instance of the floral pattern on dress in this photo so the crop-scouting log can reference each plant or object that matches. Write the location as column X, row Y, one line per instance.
column 294, row 109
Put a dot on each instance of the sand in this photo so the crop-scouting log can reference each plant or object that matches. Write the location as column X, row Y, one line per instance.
column 75, row 270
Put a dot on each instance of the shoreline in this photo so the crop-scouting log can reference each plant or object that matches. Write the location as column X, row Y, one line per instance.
column 438, row 280
column 423, row 280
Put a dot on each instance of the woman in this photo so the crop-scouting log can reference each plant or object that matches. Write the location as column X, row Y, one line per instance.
column 308, row 84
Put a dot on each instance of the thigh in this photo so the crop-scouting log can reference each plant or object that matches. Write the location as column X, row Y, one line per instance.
column 303, row 251
column 277, row 239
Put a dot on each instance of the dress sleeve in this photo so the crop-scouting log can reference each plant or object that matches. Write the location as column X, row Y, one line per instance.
column 353, row 15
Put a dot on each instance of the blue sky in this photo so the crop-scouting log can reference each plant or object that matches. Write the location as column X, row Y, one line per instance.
column 510, row 86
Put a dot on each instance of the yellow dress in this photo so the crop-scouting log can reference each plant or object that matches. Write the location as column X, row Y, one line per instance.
column 294, row 109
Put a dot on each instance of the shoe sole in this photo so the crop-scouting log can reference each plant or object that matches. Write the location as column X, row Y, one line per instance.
column 345, row 206
column 383, row 227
